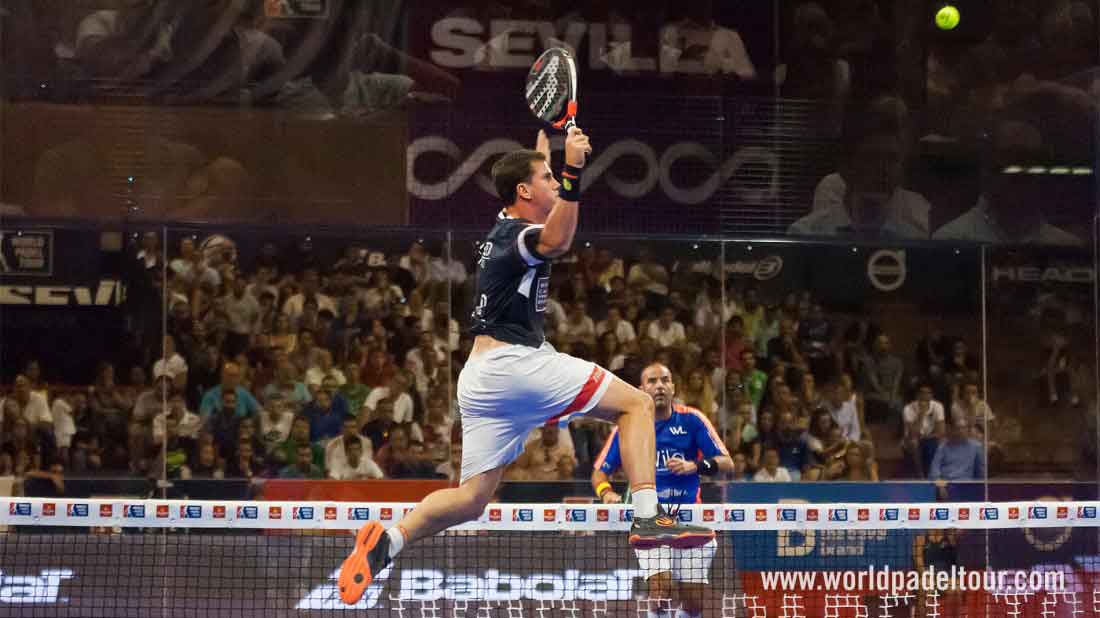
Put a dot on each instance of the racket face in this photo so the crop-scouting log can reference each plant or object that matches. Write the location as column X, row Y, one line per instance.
column 552, row 86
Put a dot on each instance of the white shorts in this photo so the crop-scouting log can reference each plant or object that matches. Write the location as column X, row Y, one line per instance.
column 686, row 565
column 507, row 392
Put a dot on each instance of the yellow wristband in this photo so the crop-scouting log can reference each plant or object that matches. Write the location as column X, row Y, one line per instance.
column 601, row 488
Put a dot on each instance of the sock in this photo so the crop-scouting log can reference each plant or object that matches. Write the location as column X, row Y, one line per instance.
column 645, row 502
column 397, row 540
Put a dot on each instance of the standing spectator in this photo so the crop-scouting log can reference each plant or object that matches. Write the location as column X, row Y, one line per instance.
column 224, row 424
column 882, row 379
column 243, row 311
column 960, row 457
column 814, row 69
column 666, row 331
column 924, row 429
column 246, row 404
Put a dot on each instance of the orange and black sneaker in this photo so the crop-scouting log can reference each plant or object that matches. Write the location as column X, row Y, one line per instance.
column 370, row 556
column 665, row 529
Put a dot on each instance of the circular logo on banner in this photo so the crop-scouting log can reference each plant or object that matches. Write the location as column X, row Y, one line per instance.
column 768, row 268
column 886, row 269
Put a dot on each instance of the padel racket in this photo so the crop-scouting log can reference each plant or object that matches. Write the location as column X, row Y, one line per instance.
column 552, row 88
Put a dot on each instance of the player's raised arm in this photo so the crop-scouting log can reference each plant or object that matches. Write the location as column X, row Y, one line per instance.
column 561, row 225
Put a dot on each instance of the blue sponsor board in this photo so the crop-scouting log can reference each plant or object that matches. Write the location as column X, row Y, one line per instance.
column 822, row 550
column 1018, row 547
column 771, row 493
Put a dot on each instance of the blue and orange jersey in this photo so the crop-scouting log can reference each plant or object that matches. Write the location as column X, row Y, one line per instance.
column 687, row 435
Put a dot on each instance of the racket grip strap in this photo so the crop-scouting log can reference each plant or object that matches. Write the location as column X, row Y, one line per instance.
column 570, row 184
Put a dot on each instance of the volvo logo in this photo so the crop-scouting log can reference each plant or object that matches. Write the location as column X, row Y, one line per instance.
column 886, row 269
column 657, row 169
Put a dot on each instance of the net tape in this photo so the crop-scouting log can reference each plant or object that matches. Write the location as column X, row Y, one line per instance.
column 310, row 515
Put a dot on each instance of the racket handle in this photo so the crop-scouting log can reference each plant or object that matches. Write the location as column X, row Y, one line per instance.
column 569, row 124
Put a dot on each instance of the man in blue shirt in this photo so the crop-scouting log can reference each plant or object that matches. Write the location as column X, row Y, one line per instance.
column 959, row 457
column 231, row 380
column 687, row 446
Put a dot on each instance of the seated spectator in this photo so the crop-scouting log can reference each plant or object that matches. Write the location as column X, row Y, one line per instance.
column 287, row 387
column 741, row 431
column 335, row 449
column 666, row 331
column 399, row 457
column 246, row 463
column 1010, row 209
column 184, row 423
column 610, row 354
column 770, row 471
column 379, row 370
column 282, row 335
column 825, row 445
column 304, row 355
column 383, row 298
column 246, row 404
column 841, row 406
column 696, row 44
column 323, row 369
column 737, row 344
column 815, row 70
column 865, row 199
column 785, row 346
column 755, row 381
column 275, row 422
column 548, row 459
column 392, row 404
column 325, row 418
column 615, row 324
column 793, row 454
column 357, row 464
column 303, row 466
column 815, row 338
column 740, row 468
column 578, row 328
column 959, row 457
column 698, row 393
column 207, row 464
column 353, row 391
column 294, row 306
column 857, row 466
column 286, row 453
column 28, row 405
column 224, row 424
column 924, row 429
column 974, row 410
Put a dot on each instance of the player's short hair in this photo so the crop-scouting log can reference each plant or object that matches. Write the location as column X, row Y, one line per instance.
column 512, row 169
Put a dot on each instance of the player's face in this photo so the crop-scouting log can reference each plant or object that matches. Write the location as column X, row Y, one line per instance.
column 543, row 189
column 657, row 383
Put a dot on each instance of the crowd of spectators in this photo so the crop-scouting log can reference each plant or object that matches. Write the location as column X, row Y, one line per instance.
column 346, row 369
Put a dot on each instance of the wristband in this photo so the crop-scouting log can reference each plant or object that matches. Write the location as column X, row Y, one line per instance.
column 570, row 190
column 602, row 488
column 708, row 467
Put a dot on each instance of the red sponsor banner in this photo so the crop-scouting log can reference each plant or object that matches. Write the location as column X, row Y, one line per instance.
column 349, row 491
